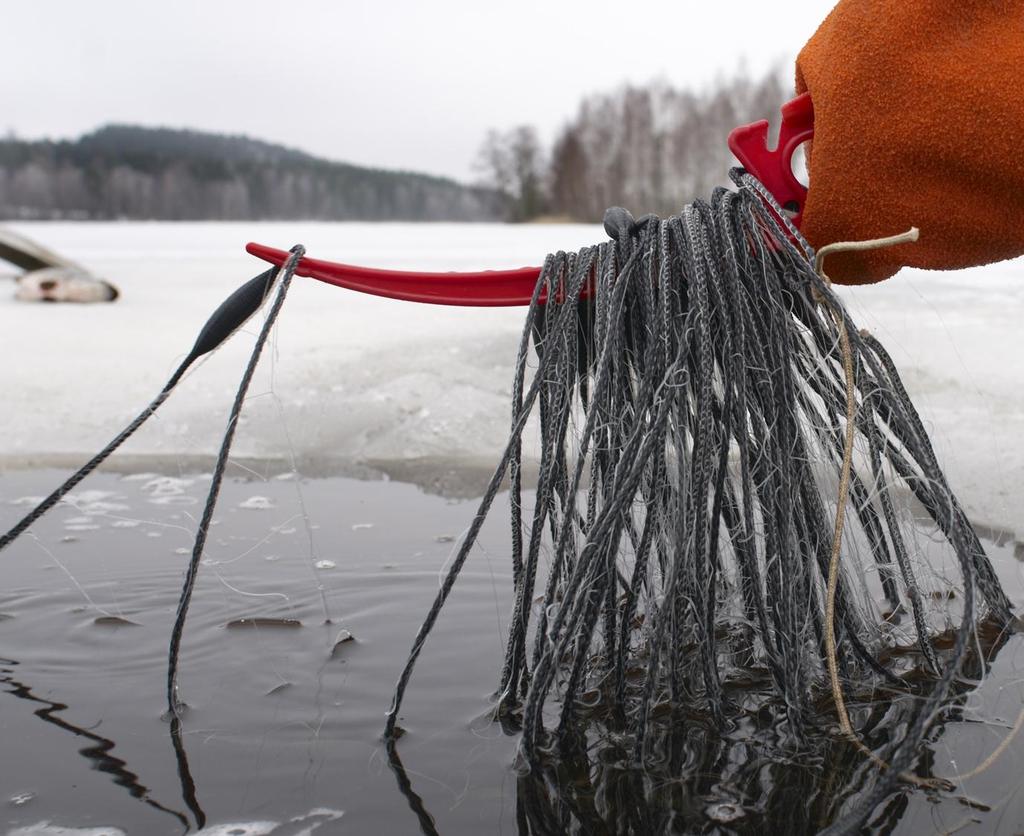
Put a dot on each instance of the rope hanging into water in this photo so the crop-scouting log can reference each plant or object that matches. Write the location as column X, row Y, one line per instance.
column 693, row 418
column 285, row 274
column 228, row 318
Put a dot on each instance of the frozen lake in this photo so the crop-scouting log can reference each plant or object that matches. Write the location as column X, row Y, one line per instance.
column 357, row 384
column 283, row 731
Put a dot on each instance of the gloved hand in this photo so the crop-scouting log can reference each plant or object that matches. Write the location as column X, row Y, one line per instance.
column 918, row 121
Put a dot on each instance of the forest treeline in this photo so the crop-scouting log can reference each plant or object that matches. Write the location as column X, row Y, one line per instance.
column 123, row 171
column 650, row 148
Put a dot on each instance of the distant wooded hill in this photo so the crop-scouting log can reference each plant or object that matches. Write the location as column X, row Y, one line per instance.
column 124, row 171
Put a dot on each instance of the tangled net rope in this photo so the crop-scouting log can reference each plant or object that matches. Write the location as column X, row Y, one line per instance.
column 692, row 415
column 704, row 540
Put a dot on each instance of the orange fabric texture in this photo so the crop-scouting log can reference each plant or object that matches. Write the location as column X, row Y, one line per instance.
column 918, row 121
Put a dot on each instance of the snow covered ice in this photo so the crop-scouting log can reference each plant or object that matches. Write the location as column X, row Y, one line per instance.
column 354, row 381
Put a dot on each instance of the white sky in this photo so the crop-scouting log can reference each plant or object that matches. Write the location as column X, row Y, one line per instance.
column 396, row 84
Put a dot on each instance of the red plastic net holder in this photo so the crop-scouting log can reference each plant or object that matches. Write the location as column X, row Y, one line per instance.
column 498, row 288
column 485, row 288
column 774, row 167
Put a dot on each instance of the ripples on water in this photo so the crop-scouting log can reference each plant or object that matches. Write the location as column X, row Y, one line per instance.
column 297, row 631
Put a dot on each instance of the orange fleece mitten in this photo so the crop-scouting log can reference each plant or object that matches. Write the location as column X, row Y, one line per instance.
column 918, row 121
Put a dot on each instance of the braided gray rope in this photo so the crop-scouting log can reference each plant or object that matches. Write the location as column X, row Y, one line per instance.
column 284, row 275
column 688, row 517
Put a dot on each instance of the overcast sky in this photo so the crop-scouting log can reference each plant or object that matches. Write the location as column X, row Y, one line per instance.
column 394, row 84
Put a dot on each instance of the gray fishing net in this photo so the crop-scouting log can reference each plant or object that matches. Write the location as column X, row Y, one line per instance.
column 672, row 567
column 740, row 550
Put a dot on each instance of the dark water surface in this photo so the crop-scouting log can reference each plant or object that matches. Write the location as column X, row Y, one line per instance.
column 283, row 731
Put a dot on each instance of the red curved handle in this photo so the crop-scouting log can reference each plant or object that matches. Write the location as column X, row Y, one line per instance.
column 488, row 288
column 775, row 168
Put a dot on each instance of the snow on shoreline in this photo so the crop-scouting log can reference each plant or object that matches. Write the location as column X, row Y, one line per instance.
column 348, row 379
column 355, row 379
